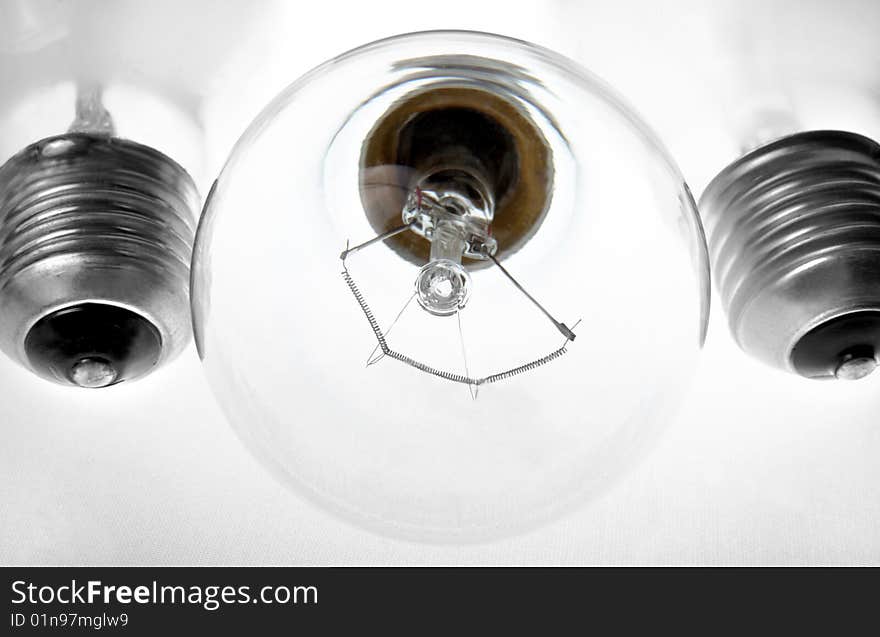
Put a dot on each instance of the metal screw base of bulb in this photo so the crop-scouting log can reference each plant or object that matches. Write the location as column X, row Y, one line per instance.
column 794, row 237
column 96, row 237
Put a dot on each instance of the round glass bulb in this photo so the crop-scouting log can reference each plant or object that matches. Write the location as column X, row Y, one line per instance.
column 537, row 196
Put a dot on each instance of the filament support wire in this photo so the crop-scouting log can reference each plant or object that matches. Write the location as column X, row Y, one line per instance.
column 428, row 369
column 465, row 379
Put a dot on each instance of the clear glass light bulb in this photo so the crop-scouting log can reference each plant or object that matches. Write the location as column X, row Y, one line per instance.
column 560, row 286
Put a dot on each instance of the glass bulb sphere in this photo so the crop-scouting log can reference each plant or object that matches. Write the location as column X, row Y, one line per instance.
column 493, row 172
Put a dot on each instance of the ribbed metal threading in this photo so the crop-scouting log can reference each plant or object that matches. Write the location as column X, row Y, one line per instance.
column 93, row 218
column 94, row 195
column 807, row 205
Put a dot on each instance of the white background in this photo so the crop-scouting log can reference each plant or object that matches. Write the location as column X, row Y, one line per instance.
column 758, row 468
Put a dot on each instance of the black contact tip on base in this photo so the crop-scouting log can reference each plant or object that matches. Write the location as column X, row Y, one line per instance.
column 93, row 345
column 844, row 348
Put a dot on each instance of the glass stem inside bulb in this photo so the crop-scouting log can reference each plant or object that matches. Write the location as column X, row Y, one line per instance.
column 453, row 209
column 447, row 242
column 443, row 285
